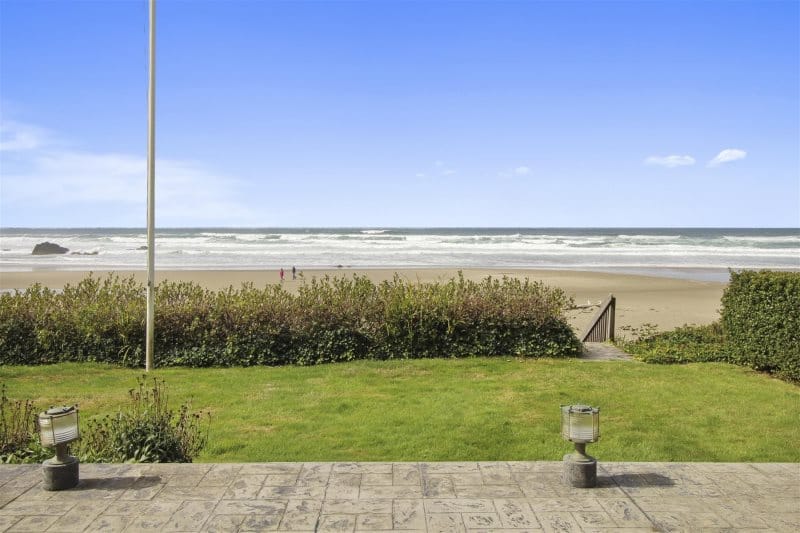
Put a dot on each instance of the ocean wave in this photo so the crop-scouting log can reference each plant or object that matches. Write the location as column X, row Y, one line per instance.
column 781, row 238
column 237, row 237
column 386, row 248
column 650, row 237
column 219, row 235
column 596, row 244
column 764, row 242
column 371, row 237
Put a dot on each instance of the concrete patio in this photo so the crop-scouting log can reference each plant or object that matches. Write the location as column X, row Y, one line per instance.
column 467, row 496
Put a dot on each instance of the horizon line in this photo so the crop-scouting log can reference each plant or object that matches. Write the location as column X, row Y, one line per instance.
column 144, row 228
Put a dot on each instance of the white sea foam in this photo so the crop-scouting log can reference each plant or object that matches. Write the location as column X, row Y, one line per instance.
column 793, row 239
column 373, row 248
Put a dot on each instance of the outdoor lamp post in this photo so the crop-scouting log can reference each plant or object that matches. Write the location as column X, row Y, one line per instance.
column 57, row 428
column 580, row 424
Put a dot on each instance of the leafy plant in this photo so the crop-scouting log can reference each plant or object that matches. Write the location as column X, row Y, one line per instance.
column 759, row 328
column 761, row 318
column 328, row 320
column 147, row 432
column 686, row 344
column 19, row 442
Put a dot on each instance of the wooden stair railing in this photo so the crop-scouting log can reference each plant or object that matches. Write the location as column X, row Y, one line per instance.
column 601, row 327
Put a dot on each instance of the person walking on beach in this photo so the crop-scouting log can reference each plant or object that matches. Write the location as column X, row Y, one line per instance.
column 281, row 274
column 294, row 272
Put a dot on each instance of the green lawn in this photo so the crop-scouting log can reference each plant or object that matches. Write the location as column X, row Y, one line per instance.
column 454, row 410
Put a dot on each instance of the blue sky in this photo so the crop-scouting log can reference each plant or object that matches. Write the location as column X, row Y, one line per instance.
column 403, row 113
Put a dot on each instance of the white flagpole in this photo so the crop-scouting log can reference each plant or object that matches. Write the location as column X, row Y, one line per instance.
column 151, row 190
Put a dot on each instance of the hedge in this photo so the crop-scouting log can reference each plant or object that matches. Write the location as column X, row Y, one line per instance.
column 329, row 319
column 685, row 344
column 761, row 319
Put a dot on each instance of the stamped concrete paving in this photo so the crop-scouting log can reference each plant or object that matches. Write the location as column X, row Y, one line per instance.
column 603, row 351
column 498, row 496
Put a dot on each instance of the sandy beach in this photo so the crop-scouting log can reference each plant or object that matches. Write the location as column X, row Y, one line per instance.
column 665, row 302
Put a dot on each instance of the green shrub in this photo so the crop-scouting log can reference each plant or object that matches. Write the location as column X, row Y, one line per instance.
column 95, row 320
column 19, row 442
column 328, row 320
column 761, row 319
column 760, row 328
column 686, row 344
column 148, row 432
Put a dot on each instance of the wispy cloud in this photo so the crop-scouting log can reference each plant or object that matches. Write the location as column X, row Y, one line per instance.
column 726, row 156
column 517, row 171
column 16, row 136
column 438, row 168
column 670, row 161
column 46, row 177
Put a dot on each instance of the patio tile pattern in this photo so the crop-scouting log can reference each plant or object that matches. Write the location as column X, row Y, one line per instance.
column 430, row 497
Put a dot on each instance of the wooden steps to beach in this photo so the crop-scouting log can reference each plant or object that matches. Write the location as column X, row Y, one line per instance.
column 599, row 331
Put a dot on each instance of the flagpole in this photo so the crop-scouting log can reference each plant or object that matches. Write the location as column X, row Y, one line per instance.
column 151, row 186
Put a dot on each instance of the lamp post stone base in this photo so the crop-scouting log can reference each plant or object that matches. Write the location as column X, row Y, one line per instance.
column 60, row 474
column 580, row 471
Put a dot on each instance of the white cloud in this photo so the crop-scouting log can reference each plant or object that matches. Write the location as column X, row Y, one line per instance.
column 670, row 161
column 70, row 181
column 16, row 136
column 518, row 171
column 726, row 156
column 439, row 168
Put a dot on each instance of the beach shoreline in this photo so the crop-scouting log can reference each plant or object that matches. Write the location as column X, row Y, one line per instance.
column 666, row 302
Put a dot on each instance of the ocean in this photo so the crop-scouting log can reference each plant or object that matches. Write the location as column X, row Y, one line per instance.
column 695, row 253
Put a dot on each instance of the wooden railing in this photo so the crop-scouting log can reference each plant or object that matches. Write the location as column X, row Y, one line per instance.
column 601, row 327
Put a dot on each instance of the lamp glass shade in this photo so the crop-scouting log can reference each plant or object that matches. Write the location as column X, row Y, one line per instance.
column 58, row 426
column 580, row 423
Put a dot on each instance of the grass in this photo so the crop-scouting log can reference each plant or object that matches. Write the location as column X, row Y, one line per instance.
column 453, row 410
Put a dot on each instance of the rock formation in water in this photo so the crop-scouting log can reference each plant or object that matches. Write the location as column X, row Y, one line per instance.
column 46, row 248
